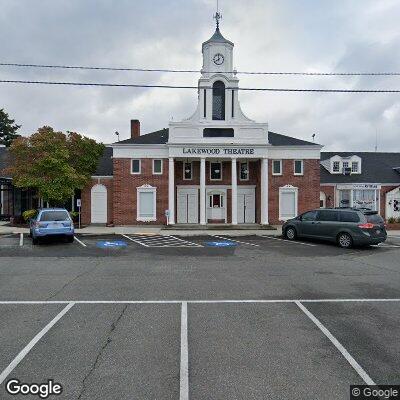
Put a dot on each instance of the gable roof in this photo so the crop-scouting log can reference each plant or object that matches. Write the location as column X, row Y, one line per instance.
column 161, row 137
column 157, row 137
column 375, row 168
column 105, row 164
column 276, row 139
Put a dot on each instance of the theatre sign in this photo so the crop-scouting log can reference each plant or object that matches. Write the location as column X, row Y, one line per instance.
column 217, row 152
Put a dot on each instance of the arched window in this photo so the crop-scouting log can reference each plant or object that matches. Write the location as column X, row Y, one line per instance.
column 218, row 112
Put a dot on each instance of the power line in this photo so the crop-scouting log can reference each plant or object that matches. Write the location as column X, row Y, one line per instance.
column 166, row 70
column 127, row 85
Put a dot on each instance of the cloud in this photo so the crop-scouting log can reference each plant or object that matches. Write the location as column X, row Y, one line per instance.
column 288, row 35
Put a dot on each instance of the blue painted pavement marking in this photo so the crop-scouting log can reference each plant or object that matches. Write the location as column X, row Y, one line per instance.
column 106, row 244
column 221, row 244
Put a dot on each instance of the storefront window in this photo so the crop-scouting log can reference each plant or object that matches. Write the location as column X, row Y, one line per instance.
column 344, row 198
column 364, row 199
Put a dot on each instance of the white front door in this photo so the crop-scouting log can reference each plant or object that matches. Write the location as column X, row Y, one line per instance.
column 246, row 206
column 187, row 206
column 99, row 204
column 216, row 205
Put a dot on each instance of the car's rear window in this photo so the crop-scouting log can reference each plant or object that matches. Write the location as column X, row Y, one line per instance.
column 54, row 216
column 347, row 216
column 374, row 219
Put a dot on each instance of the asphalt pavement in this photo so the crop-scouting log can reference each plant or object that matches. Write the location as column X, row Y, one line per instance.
column 143, row 317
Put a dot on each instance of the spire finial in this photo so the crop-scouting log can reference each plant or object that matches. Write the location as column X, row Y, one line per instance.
column 217, row 15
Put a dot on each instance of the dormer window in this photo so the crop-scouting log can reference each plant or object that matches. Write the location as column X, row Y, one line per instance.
column 347, row 165
column 218, row 103
column 336, row 166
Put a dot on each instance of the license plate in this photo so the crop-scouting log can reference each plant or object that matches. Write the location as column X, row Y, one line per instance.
column 55, row 226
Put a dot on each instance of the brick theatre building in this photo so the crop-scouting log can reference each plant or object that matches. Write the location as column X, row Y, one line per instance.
column 217, row 166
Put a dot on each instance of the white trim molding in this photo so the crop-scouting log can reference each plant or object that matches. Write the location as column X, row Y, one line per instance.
column 146, row 189
column 280, row 170
column 294, row 168
column 140, row 166
column 288, row 189
column 161, row 164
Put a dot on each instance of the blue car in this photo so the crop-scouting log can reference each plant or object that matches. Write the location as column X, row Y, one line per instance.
column 51, row 222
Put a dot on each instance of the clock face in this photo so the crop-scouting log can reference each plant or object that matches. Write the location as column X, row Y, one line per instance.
column 218, row 59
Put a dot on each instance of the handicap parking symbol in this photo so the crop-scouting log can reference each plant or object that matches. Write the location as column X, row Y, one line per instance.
column 220, row 244
column 107, row 244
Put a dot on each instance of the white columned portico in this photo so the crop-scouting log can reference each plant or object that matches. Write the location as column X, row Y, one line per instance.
column 171, row 191
column 264, row 191
column 234, row 192
column 202, row 191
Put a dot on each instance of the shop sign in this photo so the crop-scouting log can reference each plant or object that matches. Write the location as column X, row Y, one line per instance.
column 207, row 151
column 360, row 186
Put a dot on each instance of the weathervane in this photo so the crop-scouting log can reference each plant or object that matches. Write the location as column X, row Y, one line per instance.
column 217, row 15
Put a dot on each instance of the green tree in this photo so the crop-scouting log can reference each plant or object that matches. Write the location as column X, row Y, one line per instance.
column 53, row 163
column 8, row 129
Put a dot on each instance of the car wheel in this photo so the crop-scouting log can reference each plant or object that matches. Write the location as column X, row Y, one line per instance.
column 344, row 240
column 290, row 233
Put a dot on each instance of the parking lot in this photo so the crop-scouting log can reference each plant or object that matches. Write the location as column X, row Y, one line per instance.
column 200, row 317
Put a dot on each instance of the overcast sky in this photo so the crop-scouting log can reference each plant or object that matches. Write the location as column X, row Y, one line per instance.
column 284, row 35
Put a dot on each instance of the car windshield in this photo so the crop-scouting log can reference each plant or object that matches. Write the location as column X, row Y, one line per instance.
column 374, row 219
column 54, row 216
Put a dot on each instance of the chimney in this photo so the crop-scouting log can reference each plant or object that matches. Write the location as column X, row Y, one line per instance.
column 135, row 128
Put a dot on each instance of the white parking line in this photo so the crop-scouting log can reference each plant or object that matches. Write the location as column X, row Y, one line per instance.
column 383, row 300
column 386, row 245
column 32, row 343
column 184, row 370
column 133, row 240
column 21, row 239
column 357, row 367
column 161, row 241
column 237, row 241
column 80, row 242
column 288, row 241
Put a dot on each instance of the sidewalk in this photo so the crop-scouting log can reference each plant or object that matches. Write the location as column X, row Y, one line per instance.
column 153, row 230
column 159, row 230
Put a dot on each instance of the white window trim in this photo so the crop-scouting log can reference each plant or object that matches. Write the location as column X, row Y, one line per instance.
column 273, row 173
column 333, row 170
column 191, row 171
column 216, row 162
column 358, row 167
column 302, row 167
column 158, row 173
column 140, row 166
column 146, row 189
column 248, row 170
column 288, row 189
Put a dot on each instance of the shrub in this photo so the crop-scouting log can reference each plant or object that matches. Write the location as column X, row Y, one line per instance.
column 74, row 215
column 28, row 214
column 398, row 220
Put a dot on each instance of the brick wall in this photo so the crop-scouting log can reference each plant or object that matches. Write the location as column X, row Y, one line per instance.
column 308, row 185
column 86, row 200
column 125, row 191
column 330, row 195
